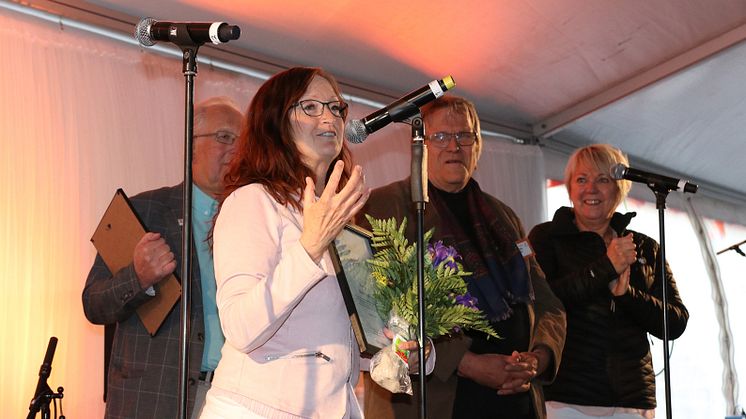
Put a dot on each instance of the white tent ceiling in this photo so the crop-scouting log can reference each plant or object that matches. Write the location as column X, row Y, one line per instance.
column 659, row 78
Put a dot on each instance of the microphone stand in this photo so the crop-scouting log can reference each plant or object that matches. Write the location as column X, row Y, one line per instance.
column 44, row 395
column 189, row 49
column 736, row 247
column 419, row 197
column 179, row 34
column 661, row 192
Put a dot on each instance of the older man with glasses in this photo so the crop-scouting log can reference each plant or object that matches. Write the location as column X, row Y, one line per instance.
column 143, row 372
column 475, row 377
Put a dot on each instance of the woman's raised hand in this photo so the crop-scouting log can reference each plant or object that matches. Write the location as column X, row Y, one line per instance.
column 324, row 218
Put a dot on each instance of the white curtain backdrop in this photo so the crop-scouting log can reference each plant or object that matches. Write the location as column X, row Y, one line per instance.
column 83, row 115
column 719, row 297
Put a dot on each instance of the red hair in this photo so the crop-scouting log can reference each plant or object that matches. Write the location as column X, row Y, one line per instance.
column 266, row 152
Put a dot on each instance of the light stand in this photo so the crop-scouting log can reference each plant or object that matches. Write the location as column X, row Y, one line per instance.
column 419, row 198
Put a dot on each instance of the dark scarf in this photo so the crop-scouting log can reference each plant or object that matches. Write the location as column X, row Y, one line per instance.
column 499, row 273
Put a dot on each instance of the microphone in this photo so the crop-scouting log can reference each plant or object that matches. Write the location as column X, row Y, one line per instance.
column 356, row 130
column 149, row 31
column 620, row 171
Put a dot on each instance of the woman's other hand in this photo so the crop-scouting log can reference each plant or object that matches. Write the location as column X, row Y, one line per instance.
column 412, row 349
column 622, row 252
column 620, row 285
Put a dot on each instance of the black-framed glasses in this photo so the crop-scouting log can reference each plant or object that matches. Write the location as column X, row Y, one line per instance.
column 463, row 138
column 313, row 107
column 223, row 137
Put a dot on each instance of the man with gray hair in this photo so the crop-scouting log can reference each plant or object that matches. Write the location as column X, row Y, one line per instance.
column 476, row 377
column 143, row 374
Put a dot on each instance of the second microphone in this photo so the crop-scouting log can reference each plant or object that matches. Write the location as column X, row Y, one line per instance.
column 357, row 130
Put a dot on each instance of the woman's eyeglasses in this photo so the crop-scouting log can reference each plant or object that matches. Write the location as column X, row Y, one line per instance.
column 312, row 107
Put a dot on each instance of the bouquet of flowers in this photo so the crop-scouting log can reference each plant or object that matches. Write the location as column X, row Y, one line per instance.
column 449, row 307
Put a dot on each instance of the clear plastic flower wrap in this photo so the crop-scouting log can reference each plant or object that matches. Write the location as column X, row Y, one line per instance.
column 389, row 367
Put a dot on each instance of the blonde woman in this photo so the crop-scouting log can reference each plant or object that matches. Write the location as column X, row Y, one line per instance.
column 608, row 278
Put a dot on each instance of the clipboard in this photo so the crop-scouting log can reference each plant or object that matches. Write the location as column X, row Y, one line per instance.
column 115, row 238
column 349, row 251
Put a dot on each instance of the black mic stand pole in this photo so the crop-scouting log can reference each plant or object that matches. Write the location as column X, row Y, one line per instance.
column 189, row 49
column 419, row 197
column 661, row 192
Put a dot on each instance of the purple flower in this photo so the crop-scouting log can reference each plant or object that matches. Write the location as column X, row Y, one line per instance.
column 443, row 254
column 467, row 300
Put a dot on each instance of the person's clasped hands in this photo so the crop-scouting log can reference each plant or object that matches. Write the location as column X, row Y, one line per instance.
column 521, row 368
column 508, row 374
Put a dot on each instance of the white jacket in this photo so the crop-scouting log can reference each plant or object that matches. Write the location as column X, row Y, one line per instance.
column 289, row 345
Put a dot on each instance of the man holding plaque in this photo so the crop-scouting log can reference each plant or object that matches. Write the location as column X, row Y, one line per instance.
column 476, row 377
column 143, row 373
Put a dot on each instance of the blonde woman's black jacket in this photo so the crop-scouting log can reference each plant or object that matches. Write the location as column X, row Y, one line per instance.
column 606, row 360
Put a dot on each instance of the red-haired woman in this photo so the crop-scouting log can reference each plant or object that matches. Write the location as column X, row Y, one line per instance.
column 290, row 351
